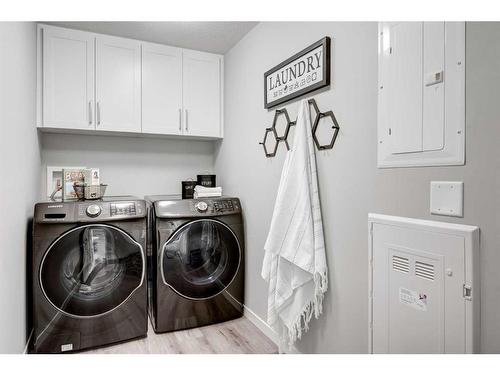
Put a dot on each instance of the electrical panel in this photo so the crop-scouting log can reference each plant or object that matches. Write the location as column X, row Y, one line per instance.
column 421, row 94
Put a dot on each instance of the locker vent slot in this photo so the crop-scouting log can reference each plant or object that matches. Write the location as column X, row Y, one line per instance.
column 424, row 270
column 400, row 264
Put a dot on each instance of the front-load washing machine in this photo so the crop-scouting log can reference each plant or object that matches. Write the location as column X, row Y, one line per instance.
column 196, row 262
column 89, row 263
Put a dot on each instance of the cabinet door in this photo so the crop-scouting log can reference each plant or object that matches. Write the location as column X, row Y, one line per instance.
column 161, row 89
column 118, row 84
column 68, row 79
column 202, row 93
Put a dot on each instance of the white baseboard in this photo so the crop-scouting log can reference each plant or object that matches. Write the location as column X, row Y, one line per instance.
column 267, row 331
column 25, row 351
column 261, row 325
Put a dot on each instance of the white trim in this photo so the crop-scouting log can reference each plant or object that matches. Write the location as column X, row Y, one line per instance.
column 268, row 331
column 429, row 225
column 25, row 351
column 261, row 325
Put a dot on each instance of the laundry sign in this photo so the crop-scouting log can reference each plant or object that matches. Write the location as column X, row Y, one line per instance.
column 300, row 74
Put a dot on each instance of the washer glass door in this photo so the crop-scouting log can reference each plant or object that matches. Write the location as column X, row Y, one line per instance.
column 91, row 270
column 200, row 259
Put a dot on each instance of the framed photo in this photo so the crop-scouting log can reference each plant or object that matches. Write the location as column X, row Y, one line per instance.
column 300, row 74
column 55, row 179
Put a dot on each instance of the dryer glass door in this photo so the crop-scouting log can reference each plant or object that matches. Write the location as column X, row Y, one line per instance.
column 201, row 259
column 91, row 270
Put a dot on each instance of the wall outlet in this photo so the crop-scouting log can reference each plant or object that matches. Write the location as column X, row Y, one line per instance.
column 447, row 198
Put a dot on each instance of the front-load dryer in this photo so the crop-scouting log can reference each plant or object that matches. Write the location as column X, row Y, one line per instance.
column 89, row 283
column 196, row 260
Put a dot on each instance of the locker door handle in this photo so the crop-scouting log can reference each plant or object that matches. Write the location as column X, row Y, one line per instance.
column 186, row 118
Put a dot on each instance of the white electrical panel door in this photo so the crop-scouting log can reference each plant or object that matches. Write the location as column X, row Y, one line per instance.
column 202, row 94
column 404, row 87
column 118, row 84
column 68, row 79
column 424, row 293
column 161, row 89
column 421, row 100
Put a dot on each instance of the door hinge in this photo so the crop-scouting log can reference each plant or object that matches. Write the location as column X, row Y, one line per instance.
column 467, row 292
column 390, row 131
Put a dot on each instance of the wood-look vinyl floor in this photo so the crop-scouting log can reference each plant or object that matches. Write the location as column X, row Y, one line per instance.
column 237, row 336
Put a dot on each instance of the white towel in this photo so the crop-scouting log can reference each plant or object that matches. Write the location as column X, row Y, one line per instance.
column 207, row 192
column 294, row 261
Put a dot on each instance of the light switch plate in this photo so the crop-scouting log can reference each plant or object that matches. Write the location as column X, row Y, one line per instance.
column 447, row 198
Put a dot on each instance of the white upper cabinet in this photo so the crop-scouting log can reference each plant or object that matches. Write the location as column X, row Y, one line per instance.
column 161, row 89
column 94, row 82
column 202, row 94
column 118, row 84
column 68, row 79
column 421, row 100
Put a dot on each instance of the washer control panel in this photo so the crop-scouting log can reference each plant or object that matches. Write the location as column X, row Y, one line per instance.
column 93, row 210
column 122, row 209
column 89, row 211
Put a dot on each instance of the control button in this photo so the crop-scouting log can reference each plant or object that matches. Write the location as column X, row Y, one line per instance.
column 201, row 206
column 93, row 210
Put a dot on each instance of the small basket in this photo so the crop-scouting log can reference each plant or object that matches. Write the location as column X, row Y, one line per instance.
column 84, row 191
column 95, row 191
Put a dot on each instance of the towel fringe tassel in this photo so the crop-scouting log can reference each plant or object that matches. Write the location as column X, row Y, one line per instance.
column 315, row 306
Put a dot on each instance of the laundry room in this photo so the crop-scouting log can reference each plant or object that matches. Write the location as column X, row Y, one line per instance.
column 239, row 185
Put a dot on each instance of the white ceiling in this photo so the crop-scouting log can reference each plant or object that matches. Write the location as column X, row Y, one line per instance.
column 216, row 37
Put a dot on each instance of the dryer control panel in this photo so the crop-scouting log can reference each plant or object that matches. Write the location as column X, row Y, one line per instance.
column 224, row 205
column 202, row 207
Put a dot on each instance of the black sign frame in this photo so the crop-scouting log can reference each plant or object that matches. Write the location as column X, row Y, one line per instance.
column 325, row 43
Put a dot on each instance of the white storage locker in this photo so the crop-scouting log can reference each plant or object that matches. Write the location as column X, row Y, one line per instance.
column 421, row 96
column 424, row 286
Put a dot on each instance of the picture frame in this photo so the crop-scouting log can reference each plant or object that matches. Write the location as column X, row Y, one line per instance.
column 54, row 173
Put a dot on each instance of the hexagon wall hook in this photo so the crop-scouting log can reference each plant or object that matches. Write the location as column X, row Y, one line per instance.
column 263, row 143
column 316, row 124
column 279, row 113
column 335, row 128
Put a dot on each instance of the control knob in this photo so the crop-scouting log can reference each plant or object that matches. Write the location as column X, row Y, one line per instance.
column 201, row 206
column 93, row 210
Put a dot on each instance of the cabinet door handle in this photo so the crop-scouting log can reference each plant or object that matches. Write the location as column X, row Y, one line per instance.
column 90, row 112
column 98, row 113
column 186, row 118
column 180, row 119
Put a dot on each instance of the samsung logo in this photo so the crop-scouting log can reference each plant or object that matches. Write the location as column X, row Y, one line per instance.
column 55, row 206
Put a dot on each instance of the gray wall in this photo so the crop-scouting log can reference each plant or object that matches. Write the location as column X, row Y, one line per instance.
column 20, row 168
column 351, row 186
column 130, row 166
